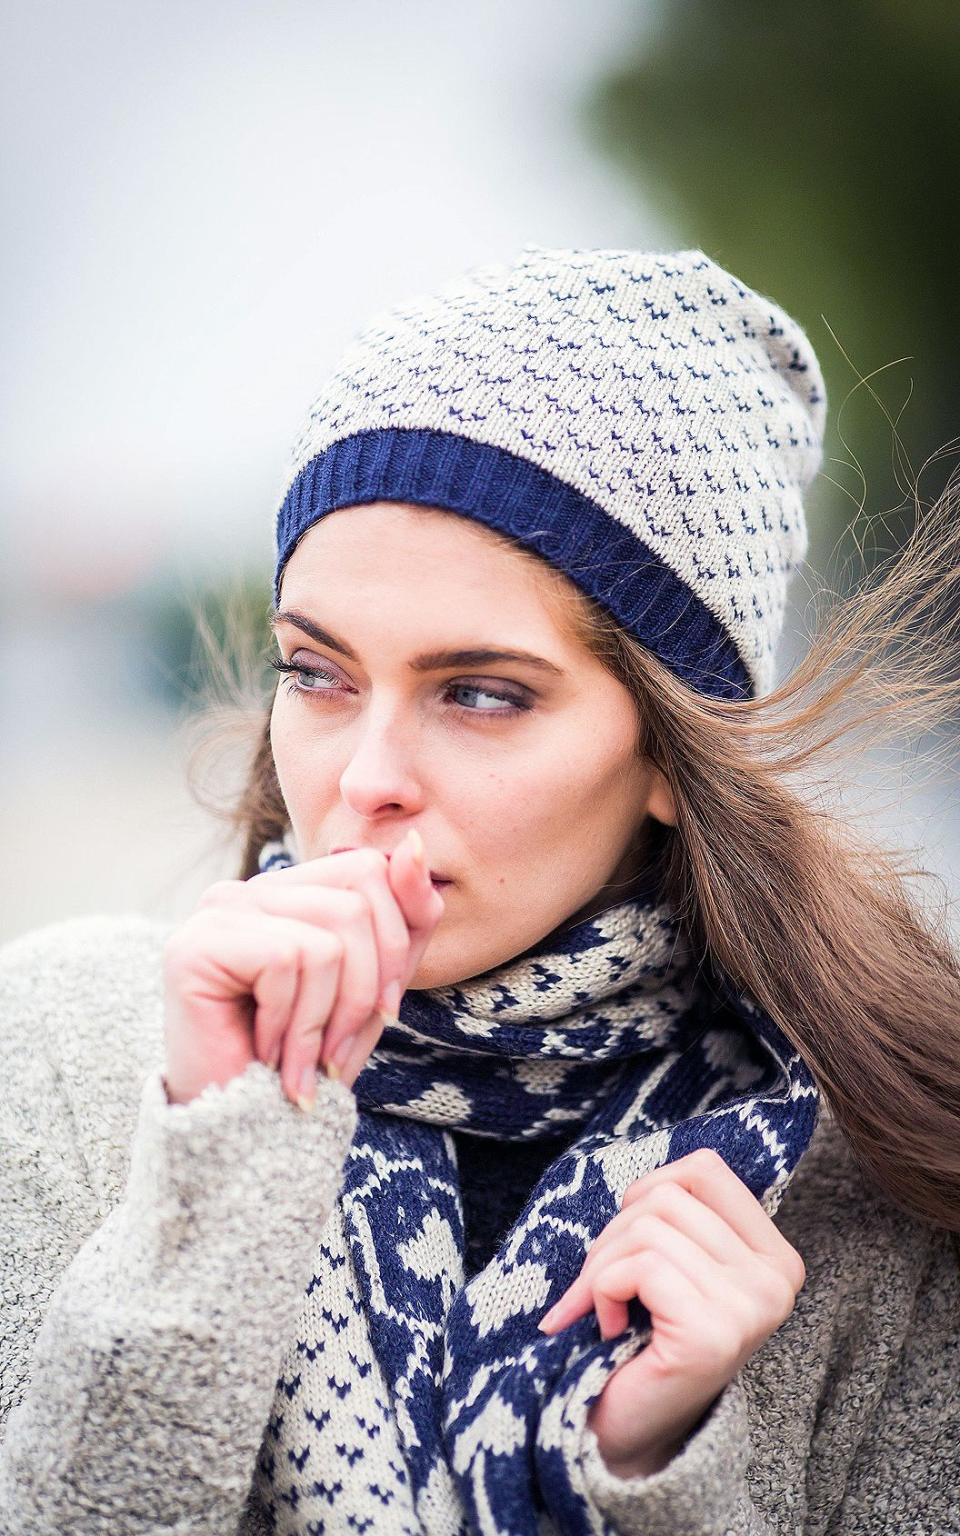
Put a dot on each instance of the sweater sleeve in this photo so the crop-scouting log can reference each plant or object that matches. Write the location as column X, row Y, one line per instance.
column 854, row 1425
column 702, row 1492
column 143, row 1401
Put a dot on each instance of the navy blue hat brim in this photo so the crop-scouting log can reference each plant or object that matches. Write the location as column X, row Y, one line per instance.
column 504, row 491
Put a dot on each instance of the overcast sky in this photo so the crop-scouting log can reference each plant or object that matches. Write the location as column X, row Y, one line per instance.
column 204, row 200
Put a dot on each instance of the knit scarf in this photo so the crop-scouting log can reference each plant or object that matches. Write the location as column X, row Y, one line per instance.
column 605, row 1033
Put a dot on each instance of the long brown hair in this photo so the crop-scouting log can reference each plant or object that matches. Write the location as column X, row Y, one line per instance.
column 774, row 885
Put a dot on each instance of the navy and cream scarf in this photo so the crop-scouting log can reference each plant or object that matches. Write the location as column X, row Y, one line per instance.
column 607, row 1035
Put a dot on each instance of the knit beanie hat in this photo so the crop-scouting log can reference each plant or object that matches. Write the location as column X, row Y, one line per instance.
column 643, row 421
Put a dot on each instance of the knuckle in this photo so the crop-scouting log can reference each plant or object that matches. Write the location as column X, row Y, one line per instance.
column 797, row 1270
column 785, row 1296
column 708, row 1159
column 649, row 1260
column 182, row 944
column 358, row 1009
column 602, row 1281
column 311, row 1033
column 644, row 1226
column 329, row 946
column 666, row 1199
column 354, row 906
column 285, row 955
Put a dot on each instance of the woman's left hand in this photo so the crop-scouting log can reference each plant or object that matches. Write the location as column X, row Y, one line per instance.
column 717, row 1277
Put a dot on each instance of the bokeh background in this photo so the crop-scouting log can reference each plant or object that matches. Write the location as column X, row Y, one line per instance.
column 204, row 200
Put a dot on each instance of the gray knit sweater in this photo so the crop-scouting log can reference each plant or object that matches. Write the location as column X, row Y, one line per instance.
column 154, row 1260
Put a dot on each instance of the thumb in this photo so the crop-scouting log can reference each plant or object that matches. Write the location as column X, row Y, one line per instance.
column 419, row 900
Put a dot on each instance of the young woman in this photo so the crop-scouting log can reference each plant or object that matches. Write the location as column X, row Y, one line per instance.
column 555, row 1126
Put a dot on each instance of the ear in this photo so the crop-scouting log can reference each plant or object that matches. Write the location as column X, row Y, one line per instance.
column 661, row 803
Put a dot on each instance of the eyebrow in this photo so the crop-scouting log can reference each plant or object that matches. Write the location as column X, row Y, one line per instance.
column 428, row 661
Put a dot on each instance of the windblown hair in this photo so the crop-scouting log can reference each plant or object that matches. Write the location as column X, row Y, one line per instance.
column 775, row 888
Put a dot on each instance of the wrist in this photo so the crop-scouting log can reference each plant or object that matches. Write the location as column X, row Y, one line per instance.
column 643, row 1460
column 643, row 1463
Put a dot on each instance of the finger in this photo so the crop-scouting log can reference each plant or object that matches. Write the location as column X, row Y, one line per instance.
column 612, row 1315
column 421, row 902
column 626, row 1278
column 246, row 975
column 680, row 1209
column 276, row 995
column 293, row 988
column 345, row 1053
column 359, row 1051
column 322, row 958
column 409, row 873
column 360, row 869
column 413, row 891
column 686, row 1176
column 668, row 1294
column 410, row 879
column 704, row 1173
column 360, row 977
column 649, row 1234
column 336, row 910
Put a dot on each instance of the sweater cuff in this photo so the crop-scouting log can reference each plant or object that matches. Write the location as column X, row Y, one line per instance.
column 237, row 1157
column 698, row 1492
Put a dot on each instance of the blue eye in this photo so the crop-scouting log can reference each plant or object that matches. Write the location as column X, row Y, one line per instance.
column 514, row 703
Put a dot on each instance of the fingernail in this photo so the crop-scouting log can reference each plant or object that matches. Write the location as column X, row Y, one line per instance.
column 544, row 1322
column 308, row 1089
column 339, row 1058
column 391, row 998
column 273, row 1060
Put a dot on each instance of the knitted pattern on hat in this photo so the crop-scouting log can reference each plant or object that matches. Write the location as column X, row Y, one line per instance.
column 645, row 422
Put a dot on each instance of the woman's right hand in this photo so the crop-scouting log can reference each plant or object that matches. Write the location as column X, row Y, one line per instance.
column 292, row 966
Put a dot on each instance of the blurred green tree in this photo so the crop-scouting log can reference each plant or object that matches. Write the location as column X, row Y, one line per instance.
column 813, row 150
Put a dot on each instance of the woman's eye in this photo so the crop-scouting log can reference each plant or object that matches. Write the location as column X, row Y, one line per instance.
column 491, row 693
column 508, row 703
column 295, row 672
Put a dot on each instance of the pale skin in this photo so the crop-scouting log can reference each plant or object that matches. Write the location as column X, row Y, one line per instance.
column 522, row 785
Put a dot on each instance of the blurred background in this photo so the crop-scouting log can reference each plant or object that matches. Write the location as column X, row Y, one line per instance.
column 203, row 201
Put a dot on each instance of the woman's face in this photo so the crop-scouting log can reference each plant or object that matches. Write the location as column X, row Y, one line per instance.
column 521, row 778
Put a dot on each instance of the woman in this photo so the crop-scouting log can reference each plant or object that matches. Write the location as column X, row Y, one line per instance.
column 555, row 1127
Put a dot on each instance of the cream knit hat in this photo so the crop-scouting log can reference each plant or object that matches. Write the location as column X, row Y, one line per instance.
column 642, row 420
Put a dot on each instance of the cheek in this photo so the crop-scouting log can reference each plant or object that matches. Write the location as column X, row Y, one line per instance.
column 558, row 795
column 298, row 772
column 280, row 736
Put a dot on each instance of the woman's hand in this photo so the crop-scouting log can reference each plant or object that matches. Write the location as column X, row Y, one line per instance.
column 717, row 1277
column 293, row 965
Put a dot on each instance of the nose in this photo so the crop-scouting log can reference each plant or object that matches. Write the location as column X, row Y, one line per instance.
column 377, row 776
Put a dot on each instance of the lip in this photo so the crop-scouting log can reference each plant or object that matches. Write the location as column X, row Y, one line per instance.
column 352, row 848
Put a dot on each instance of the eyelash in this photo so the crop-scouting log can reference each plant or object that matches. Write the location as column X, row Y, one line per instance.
column 514, row 705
